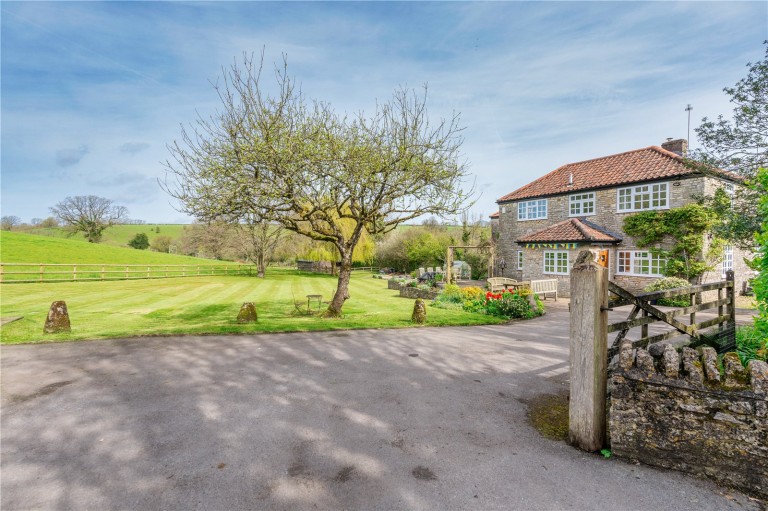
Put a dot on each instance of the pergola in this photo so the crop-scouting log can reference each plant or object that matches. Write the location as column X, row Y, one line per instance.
column 449, row 278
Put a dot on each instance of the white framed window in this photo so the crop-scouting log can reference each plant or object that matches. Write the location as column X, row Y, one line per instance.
column 556, row 261
column 727, row 259
column 519, row 259
column 532, row 209
column 640, row 262
column 503, row 209
column 642, row 197
column 581, row 204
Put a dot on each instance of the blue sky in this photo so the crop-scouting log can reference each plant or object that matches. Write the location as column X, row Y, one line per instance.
column 92, row 92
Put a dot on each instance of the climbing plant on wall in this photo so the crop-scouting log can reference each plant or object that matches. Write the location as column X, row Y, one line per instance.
column 678, row 235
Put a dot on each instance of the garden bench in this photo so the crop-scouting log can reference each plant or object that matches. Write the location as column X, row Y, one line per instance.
column 544, row 287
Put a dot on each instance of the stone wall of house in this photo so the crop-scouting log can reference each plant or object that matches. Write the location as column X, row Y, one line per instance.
column 682, row 191
column 679, row 411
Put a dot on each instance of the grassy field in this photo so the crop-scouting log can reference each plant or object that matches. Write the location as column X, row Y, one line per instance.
column 207, row 305
column 117, row 235
column 28, row 248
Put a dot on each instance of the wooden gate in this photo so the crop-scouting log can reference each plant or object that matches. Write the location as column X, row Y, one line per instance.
column 643, row 303
column 589, row 328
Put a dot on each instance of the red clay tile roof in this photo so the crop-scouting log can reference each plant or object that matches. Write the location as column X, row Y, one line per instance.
column 648, row 164
column 573, row 229
column 494, row 215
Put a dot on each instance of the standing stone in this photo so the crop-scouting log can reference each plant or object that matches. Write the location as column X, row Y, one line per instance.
column 645, row 361
column 735, row 374
column 626, row 356
column 419, row 315
column 758, row 376
column 671, row 362
column 58, row 319
column 692, row 366
column 709, row 360
column 247, row 313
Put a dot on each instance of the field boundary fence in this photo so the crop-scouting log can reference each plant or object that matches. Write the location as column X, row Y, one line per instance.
column 18, row 273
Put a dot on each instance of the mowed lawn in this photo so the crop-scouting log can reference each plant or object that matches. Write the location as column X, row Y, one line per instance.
column 200, row 305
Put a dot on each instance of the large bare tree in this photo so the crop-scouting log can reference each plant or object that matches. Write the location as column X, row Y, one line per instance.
column 89, row 214
column 272, row 153
column 256, row 240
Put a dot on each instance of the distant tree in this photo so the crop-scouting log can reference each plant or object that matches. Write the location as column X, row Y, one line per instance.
column 213, row 240
column 36, row 222
column 740, row 145
column 49, row 223
column 140, row 241
column 325, row 176
column 88, row 214
column 161, row 244
column 9, row 222
column 256, row 240
column 157, row 229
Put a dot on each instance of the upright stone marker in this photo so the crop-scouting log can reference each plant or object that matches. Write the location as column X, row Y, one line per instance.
column 58, row 319
column 247, row 313
column 589, row 353
column 419, row 315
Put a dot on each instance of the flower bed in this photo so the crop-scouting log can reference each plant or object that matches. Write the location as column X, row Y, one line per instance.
column 521, row 304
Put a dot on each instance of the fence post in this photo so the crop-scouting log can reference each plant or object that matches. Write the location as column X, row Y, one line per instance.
column 42, row 269
column 730, row 292
column 588, row 353
column 74, row 272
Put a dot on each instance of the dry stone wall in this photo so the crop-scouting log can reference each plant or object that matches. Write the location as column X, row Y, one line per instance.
column 681, row 411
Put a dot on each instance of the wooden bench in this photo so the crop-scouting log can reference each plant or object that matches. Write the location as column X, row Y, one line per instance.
column 544, row 287
column 500, row 283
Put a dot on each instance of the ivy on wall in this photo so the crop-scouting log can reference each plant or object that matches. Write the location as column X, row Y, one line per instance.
column 678, row 236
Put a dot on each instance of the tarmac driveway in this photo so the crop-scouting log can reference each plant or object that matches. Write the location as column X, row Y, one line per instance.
column 426, row 418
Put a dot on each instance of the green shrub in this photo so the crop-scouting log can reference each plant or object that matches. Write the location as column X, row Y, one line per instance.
column 140, row 241
column 671, row 283
column 751, row 344
column 475, row 305
column 512, row 305
column 450, row 295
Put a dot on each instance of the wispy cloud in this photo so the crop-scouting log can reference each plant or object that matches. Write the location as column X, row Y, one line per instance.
column 133, row 147
column 69, row 157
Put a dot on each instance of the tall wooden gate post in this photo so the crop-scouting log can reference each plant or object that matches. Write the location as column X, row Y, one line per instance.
column 589, row 353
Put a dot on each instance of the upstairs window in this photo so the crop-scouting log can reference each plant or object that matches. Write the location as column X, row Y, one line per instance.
column 581, row 204
column 532, row 209
column 642, row 197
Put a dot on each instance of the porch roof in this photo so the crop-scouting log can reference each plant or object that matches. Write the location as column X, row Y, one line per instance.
column 573, row 229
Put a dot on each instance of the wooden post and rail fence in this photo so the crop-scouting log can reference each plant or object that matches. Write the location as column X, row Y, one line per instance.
column 589, row 329
column 30, row 272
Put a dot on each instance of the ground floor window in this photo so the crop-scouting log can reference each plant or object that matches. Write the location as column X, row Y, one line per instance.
column 519, row 259
column 556, row 261
column 639, row 262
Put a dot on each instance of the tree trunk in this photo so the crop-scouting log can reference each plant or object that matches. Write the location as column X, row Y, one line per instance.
column 261, row 267
column 342, row 287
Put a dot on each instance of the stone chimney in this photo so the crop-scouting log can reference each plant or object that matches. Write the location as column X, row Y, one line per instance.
column 678, row 146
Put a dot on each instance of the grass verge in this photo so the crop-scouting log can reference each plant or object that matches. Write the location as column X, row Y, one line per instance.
column 207, row 305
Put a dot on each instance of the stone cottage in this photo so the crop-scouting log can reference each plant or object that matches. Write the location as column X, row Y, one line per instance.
column 543, row 225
